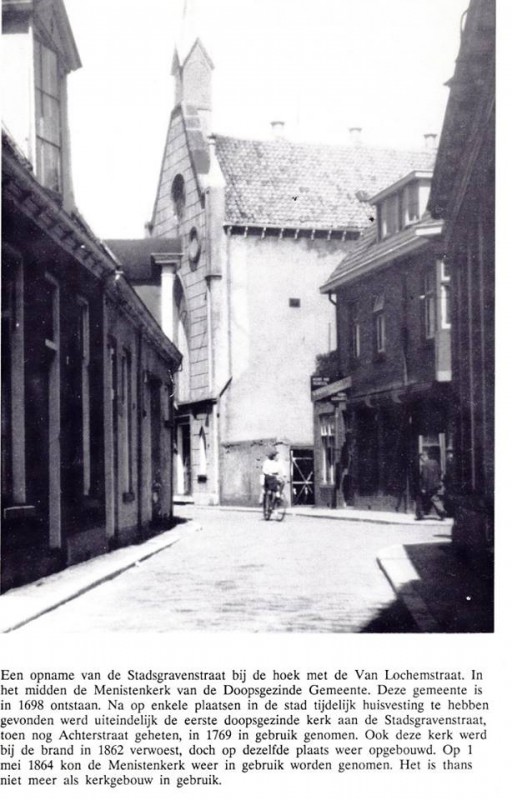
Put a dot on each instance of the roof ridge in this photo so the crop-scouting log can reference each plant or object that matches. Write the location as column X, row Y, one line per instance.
column 349, row 147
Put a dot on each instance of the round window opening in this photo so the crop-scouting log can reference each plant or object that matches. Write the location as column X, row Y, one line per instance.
column 178, row 195
column 194, row 248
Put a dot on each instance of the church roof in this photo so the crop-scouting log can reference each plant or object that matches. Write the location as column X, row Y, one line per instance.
column 280, row 183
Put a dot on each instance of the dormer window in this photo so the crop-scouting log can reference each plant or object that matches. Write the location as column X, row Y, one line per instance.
column 48, row 117
column 410, row 205
column 403, row 203
column 389, row 219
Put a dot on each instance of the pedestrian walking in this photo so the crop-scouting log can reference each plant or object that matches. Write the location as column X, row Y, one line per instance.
column 429, row 484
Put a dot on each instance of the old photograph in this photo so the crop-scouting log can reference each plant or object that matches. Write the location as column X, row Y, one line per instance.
column 248, row 316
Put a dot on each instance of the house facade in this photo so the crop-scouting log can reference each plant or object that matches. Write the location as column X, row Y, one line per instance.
column 390, row 399
column 263, row 224
column 463, row 193
column 87, row 374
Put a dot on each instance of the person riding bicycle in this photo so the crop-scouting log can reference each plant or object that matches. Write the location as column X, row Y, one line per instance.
column 272, row 476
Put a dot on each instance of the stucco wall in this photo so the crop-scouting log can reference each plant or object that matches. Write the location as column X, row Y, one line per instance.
column 274, row 345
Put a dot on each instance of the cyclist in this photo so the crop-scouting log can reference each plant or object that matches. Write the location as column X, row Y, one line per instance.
column 272, row 476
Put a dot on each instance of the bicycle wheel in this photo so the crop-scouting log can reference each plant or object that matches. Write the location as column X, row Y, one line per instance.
column 280, row 509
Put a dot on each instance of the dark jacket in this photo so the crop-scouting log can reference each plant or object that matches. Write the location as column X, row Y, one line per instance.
column 430, row 476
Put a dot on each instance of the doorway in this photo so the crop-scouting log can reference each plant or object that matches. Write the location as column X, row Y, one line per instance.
column 302, row 476
column 183, row 465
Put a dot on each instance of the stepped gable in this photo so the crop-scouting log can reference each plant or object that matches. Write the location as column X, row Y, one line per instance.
column 297, row 185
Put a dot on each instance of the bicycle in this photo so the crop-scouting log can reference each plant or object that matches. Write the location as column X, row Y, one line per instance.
column 274, row 505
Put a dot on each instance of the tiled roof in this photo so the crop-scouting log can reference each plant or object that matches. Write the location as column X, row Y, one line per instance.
column 291, row 185
column 135, row 254
column 369, row 251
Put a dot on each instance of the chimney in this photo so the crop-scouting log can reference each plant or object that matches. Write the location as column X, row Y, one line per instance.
column 277, row 129
column 430, row 141
column 355, row 136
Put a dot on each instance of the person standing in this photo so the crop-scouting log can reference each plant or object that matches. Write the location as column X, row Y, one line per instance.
column 428, row 487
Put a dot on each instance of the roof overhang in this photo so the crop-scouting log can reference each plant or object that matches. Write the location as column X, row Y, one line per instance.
column 415, row 175
column 374, row 259
column 23, row 192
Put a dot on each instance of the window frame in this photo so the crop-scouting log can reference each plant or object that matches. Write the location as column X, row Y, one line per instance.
column 379, row 325
column 429, row 305
column 85, row 352
column 49, row 128
column 354, row 332
column 445, row 307
column 127, row 423
column 327, row 428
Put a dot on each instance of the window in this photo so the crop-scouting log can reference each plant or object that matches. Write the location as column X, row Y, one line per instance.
column 294, row 302
column 327, row 437
column 355, row 332
column 379, row 324
column 127, row 424
column 178, row 195
column 48, row 117
column 83, row 331
column 429, row 305
column 446, row 314
column 389, row 219
column 202, row 454
column 410, row 204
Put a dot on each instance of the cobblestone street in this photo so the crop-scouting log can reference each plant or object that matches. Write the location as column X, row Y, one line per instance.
column 239, row 573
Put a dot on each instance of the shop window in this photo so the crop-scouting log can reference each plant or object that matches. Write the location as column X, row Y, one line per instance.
column 328, row 442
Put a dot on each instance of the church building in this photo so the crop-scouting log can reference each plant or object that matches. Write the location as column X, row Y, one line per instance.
column 263, row 224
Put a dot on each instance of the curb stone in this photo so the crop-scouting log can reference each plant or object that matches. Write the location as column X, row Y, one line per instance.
column 24, row 604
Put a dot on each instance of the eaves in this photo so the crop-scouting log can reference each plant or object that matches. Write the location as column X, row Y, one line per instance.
column 382, row 257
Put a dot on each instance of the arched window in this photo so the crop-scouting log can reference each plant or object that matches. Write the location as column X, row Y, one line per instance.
column 178, row 196
column 202, row 454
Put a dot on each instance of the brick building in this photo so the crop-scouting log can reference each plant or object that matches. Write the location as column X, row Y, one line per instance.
column 87, row 374
column 463, row 193
column 390, row 398
column 263, row 224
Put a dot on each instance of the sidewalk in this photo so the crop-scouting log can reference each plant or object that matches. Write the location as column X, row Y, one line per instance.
column 441, row 590
column 26, row 603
